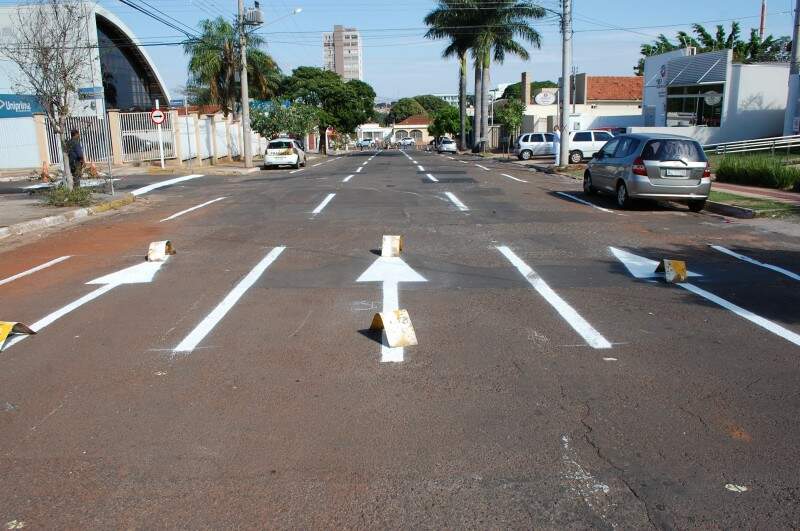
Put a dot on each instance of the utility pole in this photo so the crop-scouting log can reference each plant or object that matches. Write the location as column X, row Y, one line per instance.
column 762, row 27
column 247, row 136
column 794, row 69
column 791, row 124
column 566, row 63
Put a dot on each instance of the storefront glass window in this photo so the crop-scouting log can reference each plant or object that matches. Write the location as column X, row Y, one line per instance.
column 695, row 105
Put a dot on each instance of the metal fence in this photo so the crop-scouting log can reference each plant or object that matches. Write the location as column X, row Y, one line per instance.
column 140, row 139
column 777, row 144
column 94, row 134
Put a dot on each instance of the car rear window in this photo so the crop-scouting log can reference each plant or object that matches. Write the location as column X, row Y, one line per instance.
column 673, row 149
column 279, row 144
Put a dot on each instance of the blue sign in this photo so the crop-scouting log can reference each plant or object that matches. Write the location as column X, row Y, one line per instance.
column 177, row 103
column 18, row 106
column 90, row 93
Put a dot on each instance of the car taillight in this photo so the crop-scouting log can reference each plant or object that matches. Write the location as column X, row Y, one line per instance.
column 639, row 167
column 707, row 170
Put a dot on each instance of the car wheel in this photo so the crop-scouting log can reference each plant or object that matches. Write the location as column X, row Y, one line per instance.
column 588, row 189
column 696, row 205
column 575, row 157
column 296, row 165
column 624, row 200
column 526, row 154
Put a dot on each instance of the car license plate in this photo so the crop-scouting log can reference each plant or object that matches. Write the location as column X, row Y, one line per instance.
column 677, row 173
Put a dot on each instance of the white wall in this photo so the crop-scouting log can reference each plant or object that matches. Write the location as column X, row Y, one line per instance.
column 585, row 117
column 18, row 147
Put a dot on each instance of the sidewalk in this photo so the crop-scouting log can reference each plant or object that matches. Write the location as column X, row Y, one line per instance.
column 792, row 198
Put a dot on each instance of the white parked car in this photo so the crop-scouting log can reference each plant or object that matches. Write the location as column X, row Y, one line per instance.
column 447, row 145
column 584, row 144
column 532, row 145
column 407, row 141
column 284, row 152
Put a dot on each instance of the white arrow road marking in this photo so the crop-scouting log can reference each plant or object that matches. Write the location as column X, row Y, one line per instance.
column 390, row 270
column 324, row 203
column 483, row 167
column 512, row 177
column 635, row 266
column 420, row 168
column 572, row 317
column 639, row 266
column 150, row 187
column 579, row 200
column 348, row 178
column 139, row 274
column 432, row 178
column 456, row 201
column 182, row 212
column 207, row 325
column 777, row 269
column 34, row 269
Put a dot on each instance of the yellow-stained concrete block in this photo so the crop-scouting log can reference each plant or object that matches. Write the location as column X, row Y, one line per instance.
column 674, row 270
column 398, row 328
column 392, row 246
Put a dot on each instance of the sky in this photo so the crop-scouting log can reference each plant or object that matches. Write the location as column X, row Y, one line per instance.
column 399, row 61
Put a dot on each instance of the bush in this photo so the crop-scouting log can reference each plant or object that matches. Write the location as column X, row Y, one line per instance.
column 758, row 170
column 60, row 197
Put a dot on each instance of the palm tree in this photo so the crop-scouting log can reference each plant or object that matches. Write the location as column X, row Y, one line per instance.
column 503, row 22
column 215, row 58
column 452, row 19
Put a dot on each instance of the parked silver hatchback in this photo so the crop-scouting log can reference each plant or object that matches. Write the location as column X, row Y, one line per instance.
column 650, row 166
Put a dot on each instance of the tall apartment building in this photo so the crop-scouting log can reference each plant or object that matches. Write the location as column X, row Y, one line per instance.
column 341, row 52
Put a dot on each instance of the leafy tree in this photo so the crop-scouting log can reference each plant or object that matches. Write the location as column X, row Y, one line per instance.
column 296, row 119
column 403, row 108
column 341, row 106
column 445, row 121
column 215, row 58
column 513, row 92
column 510, row 114
column 431, row 103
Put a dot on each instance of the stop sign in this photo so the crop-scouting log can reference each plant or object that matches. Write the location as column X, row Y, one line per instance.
column 157, row 116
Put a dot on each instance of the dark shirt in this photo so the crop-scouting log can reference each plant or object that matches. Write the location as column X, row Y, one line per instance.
column 75, row 151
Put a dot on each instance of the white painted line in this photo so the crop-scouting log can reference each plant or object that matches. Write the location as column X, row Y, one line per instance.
column 483, row 167
column 777, row 269
column 432, row 178
column 573, row 318
column 295, row 171
column 420, row 167
column 365, row 163
column 348, row 177
column 34, row 269
column 451, row 158
column 324, row 203
column 182, row 212
column 207, row 325
column 741, row 312
column 579, row 200
column 150, row 187
column 463, row 162
column 414, row 161
column 456, row 201
column 513, row 178
column 358, row 170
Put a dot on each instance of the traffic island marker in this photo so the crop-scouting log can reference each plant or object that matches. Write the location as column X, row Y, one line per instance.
column 396, row 324
column 674, row 270
column 7, row 328
column 159, row 251
column 391, row 246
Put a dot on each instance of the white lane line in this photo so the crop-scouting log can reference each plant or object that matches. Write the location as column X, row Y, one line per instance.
column 741, row 312
column 182, row 212
column 456, row 201
column 420, row 167
column 34, row 269
column 513, row 178
column 463, row 162
column 572, row 317
column 324, row 203
column 358, row 170
column 483, row 167
column 170, row 182
column 364, row 163
column 451, row 158
column 777, row 269
column 348, row 178
column 432, row 178
column 321, row 163
column 207, row 325
column 295, row 171
column 414, row 161
column 583, row 202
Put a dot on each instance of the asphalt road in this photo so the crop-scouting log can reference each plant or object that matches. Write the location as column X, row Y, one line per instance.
column 238, row 384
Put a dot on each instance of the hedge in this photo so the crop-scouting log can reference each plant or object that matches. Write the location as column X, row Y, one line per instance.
column 758, row 170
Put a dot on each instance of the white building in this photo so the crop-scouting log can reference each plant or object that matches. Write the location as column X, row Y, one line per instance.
column 709, row 98
column 342, row 52
column 373, row 131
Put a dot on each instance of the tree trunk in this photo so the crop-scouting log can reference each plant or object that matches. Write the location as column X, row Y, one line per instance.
column 486, row 82
column 59, row 132
column 323, row 139
column 462, row 100
column 476, row 119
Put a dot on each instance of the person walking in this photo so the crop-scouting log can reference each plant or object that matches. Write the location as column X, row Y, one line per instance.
column 557, row 145
column 76, row 159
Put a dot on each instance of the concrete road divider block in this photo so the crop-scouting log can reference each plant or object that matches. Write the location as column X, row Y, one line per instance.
column 159, row 251
column 398, row 328
column 7, row 328
column 392, row 246
column 674, row 270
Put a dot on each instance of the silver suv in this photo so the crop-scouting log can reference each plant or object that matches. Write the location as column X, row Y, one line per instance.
column 650, row 166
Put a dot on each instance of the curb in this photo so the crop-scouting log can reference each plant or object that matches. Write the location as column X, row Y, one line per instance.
column 730, row 210
column 61, row 219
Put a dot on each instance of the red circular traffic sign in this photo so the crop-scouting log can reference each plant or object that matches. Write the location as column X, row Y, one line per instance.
column 158, row 116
